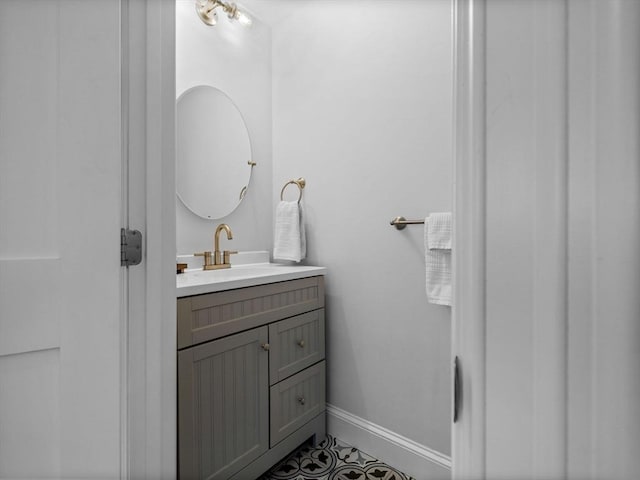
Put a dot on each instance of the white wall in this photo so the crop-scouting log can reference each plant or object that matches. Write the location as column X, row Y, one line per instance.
column 236, row 60
column 362, row 109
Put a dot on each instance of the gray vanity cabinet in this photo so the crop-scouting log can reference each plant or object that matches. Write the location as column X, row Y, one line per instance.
column 251, row 377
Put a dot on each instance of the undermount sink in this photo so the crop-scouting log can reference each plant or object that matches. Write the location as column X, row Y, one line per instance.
column 198, row 281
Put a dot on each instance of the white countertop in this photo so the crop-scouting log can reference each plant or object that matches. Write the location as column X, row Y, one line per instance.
column 197, row 282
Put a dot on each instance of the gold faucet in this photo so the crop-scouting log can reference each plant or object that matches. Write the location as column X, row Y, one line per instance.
column 216, row 253
column 219, row 259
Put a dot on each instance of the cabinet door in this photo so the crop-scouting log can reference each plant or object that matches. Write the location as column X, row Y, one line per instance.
column 223, row 415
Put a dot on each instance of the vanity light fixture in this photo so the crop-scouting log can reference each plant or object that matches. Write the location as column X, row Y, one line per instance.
column 206, row 10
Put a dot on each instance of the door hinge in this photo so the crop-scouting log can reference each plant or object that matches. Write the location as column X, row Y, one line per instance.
column 130, row 247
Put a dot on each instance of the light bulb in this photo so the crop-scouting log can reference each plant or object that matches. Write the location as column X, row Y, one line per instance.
column 243, row 18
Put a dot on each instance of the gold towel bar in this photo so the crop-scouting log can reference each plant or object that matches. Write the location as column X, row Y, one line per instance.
column 401, row 222
column 300, row 182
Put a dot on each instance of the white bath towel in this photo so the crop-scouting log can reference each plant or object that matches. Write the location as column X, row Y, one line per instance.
column 437, row 252
column 290, row 241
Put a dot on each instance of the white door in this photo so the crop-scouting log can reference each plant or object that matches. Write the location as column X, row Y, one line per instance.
column 547, row 234
column 60, row 218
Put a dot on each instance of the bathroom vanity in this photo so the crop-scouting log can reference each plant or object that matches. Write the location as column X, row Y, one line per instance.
column 251, row 369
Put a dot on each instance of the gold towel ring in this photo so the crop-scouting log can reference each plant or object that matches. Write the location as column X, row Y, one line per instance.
column 300, row 182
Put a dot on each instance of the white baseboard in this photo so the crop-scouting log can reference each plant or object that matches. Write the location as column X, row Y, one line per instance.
column 409, row 457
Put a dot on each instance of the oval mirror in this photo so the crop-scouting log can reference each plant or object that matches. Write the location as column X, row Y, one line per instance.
column 213, row 153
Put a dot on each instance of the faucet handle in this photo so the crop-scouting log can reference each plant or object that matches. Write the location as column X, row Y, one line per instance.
column 226, row 256
column 207, row 257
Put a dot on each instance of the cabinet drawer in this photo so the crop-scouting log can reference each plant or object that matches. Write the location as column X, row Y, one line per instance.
column 206, row 317
column 296, row 400
column 296, row 343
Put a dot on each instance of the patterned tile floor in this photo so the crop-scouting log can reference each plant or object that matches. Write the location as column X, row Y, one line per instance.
column 332, row 460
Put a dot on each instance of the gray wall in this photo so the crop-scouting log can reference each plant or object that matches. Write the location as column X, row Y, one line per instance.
column 362, row 110
column 361, row 107
column 236, row 60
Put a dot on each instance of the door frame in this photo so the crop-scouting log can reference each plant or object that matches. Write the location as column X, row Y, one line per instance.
column 149, row 344
column 149, row 108
column 469, row 263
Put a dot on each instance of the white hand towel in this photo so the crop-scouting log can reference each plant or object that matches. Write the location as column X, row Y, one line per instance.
column 290, row 238
column 437, row 252
column 439, row 231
